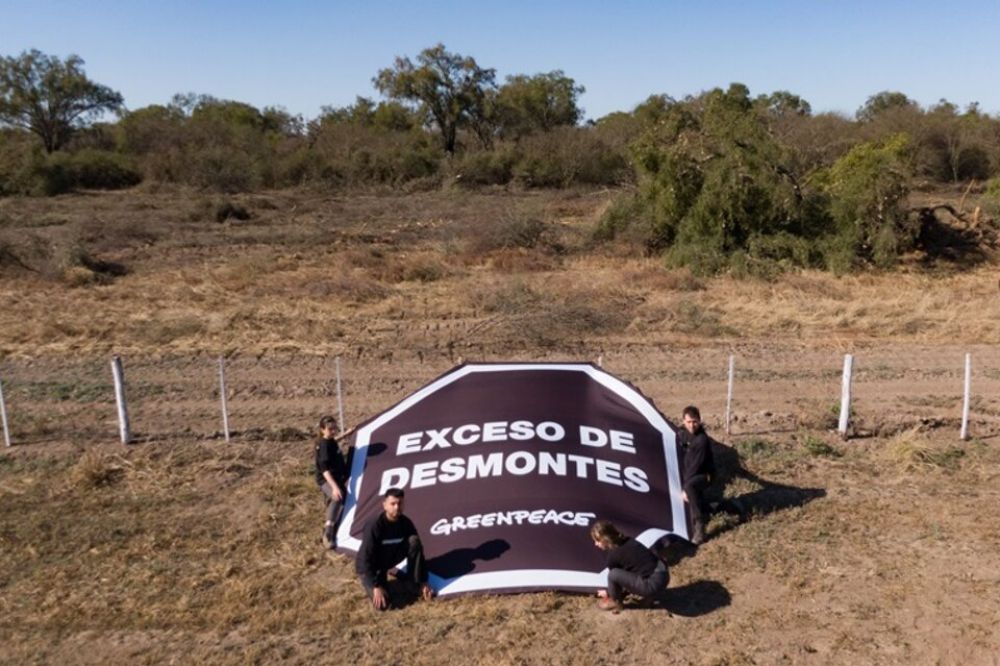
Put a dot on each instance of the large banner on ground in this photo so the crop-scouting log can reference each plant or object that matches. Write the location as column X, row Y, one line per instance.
column 506, row 466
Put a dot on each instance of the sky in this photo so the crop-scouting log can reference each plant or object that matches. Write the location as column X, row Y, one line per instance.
column 304, row 55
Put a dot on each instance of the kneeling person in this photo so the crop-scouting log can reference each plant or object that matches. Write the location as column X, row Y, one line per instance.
column 631, row 567
column 389, row 538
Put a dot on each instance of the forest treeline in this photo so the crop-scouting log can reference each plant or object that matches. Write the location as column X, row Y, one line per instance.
column 715, row 178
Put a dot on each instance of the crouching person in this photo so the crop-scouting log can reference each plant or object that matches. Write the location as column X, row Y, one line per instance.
column 388, row 539
column 631, row 567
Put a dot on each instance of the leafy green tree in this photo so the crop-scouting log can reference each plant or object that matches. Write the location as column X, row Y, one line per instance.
column 713, row 185
column 867, row 190
column 653, row 109
column 958, row 142
column 366, row 113
column 782, row 103
column 539, row 103
column 152, row 128
column 51, row 97
column 451, row 90
column 884, row 101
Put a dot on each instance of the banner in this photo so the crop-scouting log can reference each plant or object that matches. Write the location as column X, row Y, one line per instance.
column 506, row 466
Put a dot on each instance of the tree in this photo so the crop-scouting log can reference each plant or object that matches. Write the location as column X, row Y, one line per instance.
column 713, row 186
column 451, row 89
column 782, row 103
column 51, row 97
column 366, row 113
column 881, row 102
column 867, row 188
column 539, row 103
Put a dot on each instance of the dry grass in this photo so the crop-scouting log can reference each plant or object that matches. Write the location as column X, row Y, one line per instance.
column 301, row 250
column 186, row 546
column 211, row 551
column 914, row 450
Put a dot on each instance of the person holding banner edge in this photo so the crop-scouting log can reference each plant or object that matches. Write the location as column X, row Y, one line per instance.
column 332, row 473
column 698, row 474
column 631, row 567
column 389, row 538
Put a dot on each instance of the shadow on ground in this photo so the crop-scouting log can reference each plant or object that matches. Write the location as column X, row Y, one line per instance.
column 694, row 599
column 768, row 498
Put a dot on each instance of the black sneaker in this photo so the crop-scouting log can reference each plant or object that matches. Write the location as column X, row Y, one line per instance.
column 330, row 537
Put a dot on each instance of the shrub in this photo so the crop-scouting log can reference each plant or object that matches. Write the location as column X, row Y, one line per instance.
column 568, row 156
column 351, row 155
column 495, row 167
column 867, row 190
column 991, row 198
column 513, row 229
column 713, row 185
column 20, row 156
column 102, row 170
column 228, row 210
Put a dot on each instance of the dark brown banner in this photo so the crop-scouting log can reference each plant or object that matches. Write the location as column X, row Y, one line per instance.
column 505, row 467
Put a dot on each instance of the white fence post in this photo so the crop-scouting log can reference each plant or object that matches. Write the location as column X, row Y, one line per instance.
column 340, row 399
column 729, row 396
column 119, row 376
column 964, row 434
column 222, row 395
column 845, row 396
column 600, row 361
column 3, row 417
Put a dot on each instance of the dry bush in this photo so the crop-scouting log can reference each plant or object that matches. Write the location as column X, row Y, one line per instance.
column 526, row 316
column 170, row 328
column 352, row 286
column 913, row 450
column 654, row 276
column 513, row 229
column 227, row 210
column 419, row 266
column 682, row 315
column 519, row 260
column 96, row 470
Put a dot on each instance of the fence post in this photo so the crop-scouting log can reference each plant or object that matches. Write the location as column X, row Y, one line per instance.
column 845, row 396
column 964, row 434
column 3, row 417
column 600, row 361
column 340, row 398
column 222, row 394
column 729, row 395
column 119, row 376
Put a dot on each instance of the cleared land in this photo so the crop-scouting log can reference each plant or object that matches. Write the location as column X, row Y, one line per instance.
column 183, row 548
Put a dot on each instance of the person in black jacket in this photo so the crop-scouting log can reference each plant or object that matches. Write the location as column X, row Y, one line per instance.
column 631, row 567
column 698, row 474
column 389, row 538
column 332, row 474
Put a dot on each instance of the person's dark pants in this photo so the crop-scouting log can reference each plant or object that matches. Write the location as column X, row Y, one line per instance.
column 621, row 581
column 696, row 489
column 334, row 508
column 706, row 499
column 390, row 556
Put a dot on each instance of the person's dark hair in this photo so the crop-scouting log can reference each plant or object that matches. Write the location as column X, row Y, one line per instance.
column 692, row 411
column 328, row 421
column 605, row 532
column 394, row 492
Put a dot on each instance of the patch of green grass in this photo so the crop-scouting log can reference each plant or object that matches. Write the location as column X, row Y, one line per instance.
column 756, row 447
column 817, row 447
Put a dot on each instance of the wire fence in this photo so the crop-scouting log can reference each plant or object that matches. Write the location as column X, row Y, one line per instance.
column 752, row 391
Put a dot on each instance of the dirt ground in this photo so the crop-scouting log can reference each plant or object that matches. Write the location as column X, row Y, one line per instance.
column 882, row 549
